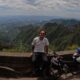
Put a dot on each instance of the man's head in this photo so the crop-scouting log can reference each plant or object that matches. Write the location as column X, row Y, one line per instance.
column 42, row 34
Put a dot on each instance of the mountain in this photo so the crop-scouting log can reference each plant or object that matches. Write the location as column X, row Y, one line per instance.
column 66, row 22
column 60, row 37
column 62, row 34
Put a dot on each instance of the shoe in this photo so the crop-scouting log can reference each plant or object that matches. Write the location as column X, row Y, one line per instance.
column 33, row 73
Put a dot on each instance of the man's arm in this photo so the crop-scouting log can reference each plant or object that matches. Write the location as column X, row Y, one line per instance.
column 46, row 49
column 33, row 45
column 32, row 48
column 46, row 45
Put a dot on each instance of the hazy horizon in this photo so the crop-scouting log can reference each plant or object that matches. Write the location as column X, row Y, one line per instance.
column 37, row 17
column 58, row 8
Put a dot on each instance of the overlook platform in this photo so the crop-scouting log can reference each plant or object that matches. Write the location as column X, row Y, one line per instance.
column 12, row 63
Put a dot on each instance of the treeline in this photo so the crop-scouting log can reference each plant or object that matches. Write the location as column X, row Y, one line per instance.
column 60, row 35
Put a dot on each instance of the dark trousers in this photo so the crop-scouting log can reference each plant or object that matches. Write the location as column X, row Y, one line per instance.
column 39, row 62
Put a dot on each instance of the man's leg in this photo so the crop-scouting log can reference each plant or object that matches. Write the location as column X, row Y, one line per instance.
column 34, row 63
column 45, row 65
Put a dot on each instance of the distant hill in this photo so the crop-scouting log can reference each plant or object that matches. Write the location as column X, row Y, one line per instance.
column 65, row 22
column 63, row 34
column 60, row 36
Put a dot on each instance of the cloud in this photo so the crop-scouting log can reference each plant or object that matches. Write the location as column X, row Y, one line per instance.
column 43, row 7
column 16, row 4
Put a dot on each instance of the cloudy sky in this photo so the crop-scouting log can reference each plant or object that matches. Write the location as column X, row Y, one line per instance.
column 61, row 8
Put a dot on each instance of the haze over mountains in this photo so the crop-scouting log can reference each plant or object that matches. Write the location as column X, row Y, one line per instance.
column 17, row 21
column 24, row 19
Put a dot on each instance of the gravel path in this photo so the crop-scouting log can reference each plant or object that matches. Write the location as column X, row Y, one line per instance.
column 67, row 77
column 71, row 77
column 18, row 78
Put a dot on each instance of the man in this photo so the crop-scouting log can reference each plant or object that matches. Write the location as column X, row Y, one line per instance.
column 39, row 49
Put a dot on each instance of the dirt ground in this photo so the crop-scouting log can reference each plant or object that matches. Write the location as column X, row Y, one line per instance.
column 34, row 79
column 18, row 78
column 64, row 77
column 71, row 77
